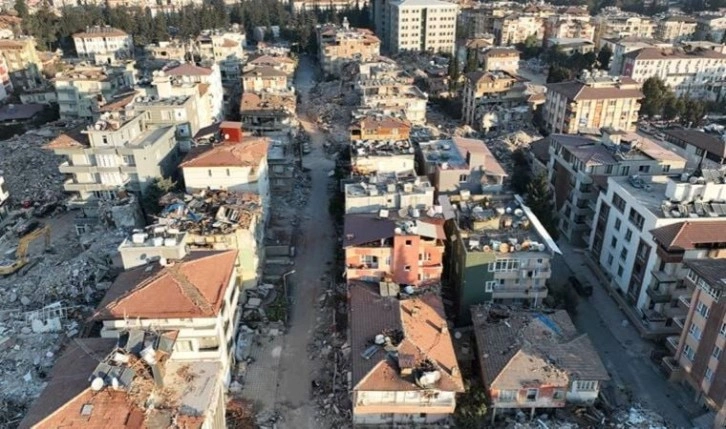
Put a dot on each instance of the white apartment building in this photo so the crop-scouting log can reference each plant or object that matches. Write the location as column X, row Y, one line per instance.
column 711, row 25
column 196, row 296
column 116, row 153
column 687, row 72
column 569, row 26
column 202, row 82
column 515, row 28
column 103, row 44
column 615, row 23
column 422, row 25
column 82, row 90
column 388, row 191
column 675, row 28
column 623, row 45
column 622, row 242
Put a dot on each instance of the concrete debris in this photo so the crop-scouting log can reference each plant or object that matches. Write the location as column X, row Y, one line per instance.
column 210, row 212
column 124, row 213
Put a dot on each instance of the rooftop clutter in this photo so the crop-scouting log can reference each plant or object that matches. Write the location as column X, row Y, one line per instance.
column 210, row 212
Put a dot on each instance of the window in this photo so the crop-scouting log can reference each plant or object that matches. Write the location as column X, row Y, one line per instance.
column 708, row 375
column 666, row 168
column 489, row 286
column 624, row 254
column 463, row 178
column 406, row 268
column 558, row 395
column 620, row 270
column 614, row 242
column 695, row 331
column 644, row 168
column 209, row 173
column 628, row 235
column 717, row 352
column 610, row 260
column 723, row 329
column 504, row 265
column 409, row 242
column 619, row 203
column 531, row 395
column 507, row 395
column 692, row 276
column 702, row 309
column 228, row 172
column 636, row 219
column 129, row 160
column 624, row 170
column 617, row 224
column 585, row 385
column 369, row 260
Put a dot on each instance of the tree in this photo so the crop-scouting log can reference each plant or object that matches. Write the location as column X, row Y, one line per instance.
column 21, row 8
column 454, row 72
column 530, row 48
column 693, row 112
column 604, row 57
column 521, row 175
column 655, row 93
column 557, row 74
column 471, row 61
column 471, row 407
column 539, row 199
column 157, row 189
column 672, row 107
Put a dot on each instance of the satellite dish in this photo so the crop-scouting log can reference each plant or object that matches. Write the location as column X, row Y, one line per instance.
column 97, row 384
column 115, row 384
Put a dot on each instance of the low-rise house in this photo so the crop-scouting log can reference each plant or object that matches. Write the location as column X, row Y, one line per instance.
column 460, row 164
column 237, row 164
column 338, row 45
column 103, row 44
column 23, row 63
column 594, row 100
column 579, row 165
column 388, row 191
column 698, row 359
column 99, row 382
column 571, row 45
column 82, row 90
column 268, row 113
column 532, row 360
column 394, row 247
column 404, row 369
column 499, row 253
column 196, row 296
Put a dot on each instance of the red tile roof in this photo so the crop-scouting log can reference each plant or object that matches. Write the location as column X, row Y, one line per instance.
column 192, row 287
column 74, row 138
column 687, row 235
column 187, row 69
column 98, row 32
column 249, row 153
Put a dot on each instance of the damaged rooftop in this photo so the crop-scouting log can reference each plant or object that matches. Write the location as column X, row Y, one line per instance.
column 210, row 212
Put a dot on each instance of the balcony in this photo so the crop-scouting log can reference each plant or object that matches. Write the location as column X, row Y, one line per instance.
column 69, row 168
column 679, row 321
column 672, row 343
column 684, row 302
column 658, row 294
column 671, row 368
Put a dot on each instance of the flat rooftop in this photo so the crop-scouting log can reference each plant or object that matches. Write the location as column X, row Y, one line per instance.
column 381, row 148
column 169, row 101
column 150, row 136
column 388, row 183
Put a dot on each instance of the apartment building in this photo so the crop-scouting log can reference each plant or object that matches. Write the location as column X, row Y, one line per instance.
column 83, row 90
column 313, row 5
column 379, row 128
column 515, row 28
column 23, row 64
column 570, row 26
column 699, row 148
column 219, row 45
column 698, row 359
column 622, row 240
column 687, row 72
column 97, row 382
column 531, row 360
column 388, row 191
column 181, row 112
column 499, row 252
column 495, row 101
column 623, row 45
column 116, row 153
column 172, row 50
column 579, row 166
column 268, row 113
column 675, row 28
column 103, row 44
column 405, row 248
column 614, row 23
column 384, row 89
column 339, row 45
column 421, row 26
column 500, row 59
column 460, row 165
column 594, row 100
column 419, row 384
column 265, row 79
column 204, row 83
column 279, row 62
column 196, row 296
column 711, row 26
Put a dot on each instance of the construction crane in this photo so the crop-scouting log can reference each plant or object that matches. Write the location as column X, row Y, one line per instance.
column 21, row 254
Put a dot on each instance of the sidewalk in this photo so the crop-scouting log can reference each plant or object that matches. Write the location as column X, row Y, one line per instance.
column 625, row 353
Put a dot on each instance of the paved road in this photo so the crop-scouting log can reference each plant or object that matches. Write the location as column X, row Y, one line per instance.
column 314, row 249
column 624, row 353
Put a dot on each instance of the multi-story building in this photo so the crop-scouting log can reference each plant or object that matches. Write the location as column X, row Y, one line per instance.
column 172, row 50
column 460, row 164
column 516, row 28
column 624, row 246
column 512, row 345
column 711, row 26
column 421, row 26
column 197, row 296
column 116, row 153
column 499, row 252
column 313, row 5
column 82, row 90
column 218, row 45
column 500, row 59
column 570, row 26
column 339, row 45
column 686, row 72
column 623, row 45
column 265, row 79
column 404, row 370
column 594, row 100
column 103, row 44
column 614, row 23
column 675, row 28
column 204, row 83
column 700, row 149
column 279, row 62
column 494, row 100
column 698, row 361
column 180, row 112
column 379, row 128
column 403, row 248
column 578, row 165
column 388, row 191
column 24, row 66
column 391, row 96
column 268, row 113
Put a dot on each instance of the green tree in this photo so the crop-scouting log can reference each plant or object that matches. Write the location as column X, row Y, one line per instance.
column 655, row 93
column 604, row 57
column 521, row 172
column 157, row 189
column 693, row 113
column 471, row 61
column 672, row 107
column 530, row 48
column 558, row 74
column 539, row 199
column 471, row 407
column 21, row 8
column 454, row 73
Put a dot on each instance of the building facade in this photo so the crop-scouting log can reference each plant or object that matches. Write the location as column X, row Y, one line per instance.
column 338, row 46
column 421, row 26
column 675, row 28
column 83, row 90
column 23, row 64
column 103, row 44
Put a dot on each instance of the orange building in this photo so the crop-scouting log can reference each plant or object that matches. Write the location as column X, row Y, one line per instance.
column 406, row 251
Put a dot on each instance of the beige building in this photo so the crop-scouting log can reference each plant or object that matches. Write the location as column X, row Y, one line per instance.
column 515, row 28
column 675, row 28
column 181, row 112
column 23, row 63
column 500, row 59
column 265, row 79
column 570, row 26
column 492, row 99
column 616, row 23
column 278, row 62
column 592, row 101
column 103, row 44
column 421, row 25
column 82, row 90
column 711, row 25
column 338, row 46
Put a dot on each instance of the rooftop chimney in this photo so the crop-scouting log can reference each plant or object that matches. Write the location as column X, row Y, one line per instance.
column 405, row 364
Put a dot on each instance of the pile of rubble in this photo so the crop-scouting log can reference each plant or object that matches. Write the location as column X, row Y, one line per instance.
column 329, row 103
column 503, row 146
column 31, row 172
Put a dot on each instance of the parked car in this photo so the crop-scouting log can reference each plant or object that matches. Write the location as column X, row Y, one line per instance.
column 582, row 289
